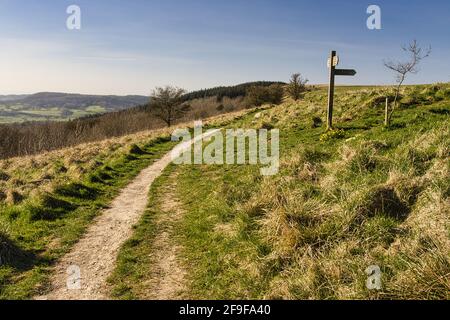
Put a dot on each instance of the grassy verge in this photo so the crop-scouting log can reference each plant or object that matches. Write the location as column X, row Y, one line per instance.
column 221, row 245
column 41, row 229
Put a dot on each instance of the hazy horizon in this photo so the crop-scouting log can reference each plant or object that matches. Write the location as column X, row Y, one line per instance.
column 128, row 48
column 148, row 95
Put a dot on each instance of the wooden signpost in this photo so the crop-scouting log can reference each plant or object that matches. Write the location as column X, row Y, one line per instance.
column 333, row 61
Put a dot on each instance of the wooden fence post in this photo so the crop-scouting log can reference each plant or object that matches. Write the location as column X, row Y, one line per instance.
column 386, row 113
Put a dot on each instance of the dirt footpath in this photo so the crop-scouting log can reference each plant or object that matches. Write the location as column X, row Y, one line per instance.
column 95, row 254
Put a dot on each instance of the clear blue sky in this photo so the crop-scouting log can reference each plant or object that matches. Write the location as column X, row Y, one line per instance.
column 131, row 46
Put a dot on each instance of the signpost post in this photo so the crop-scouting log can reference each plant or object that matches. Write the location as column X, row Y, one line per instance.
column 333, row 61
column 332, row 68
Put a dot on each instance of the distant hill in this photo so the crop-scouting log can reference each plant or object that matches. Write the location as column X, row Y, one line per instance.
column 74, row 101
column 12, row 97
column 57, row 106
column 62, row 106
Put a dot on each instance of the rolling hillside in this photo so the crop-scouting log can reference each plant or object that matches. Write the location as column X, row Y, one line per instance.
column 56, row 106
column 358, row 196
column 53, row 106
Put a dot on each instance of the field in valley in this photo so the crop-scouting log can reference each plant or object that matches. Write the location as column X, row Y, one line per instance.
column 54, row 106
column 20, row 114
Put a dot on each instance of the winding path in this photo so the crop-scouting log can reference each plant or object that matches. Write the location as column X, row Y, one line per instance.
column 94, row 256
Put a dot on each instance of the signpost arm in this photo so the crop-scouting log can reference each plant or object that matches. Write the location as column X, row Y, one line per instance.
column 331, row 92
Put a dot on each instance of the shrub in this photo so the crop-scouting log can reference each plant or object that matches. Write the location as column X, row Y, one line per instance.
column 257, row 96
column 297, row 86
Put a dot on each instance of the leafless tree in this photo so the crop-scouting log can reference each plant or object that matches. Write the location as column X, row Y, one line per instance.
column 296, row 86
column 166, row 103
column 402, row 69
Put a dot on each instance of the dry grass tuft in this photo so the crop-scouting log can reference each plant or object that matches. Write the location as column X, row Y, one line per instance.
column 23, row 177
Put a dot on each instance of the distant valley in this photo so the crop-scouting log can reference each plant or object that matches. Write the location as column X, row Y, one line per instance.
column 54, row 106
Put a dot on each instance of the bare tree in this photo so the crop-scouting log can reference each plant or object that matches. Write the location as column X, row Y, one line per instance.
column 166, row 102
column 402, row 69
column 296, row 86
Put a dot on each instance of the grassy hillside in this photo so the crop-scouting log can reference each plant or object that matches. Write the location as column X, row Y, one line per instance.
column 34, row 138
column 48, row 200
column 55, row 106
column 343, row 201
column 363, row 195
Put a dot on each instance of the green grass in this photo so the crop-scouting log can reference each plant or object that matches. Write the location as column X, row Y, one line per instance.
column 135, row 256
column 220, row 244
column 95, row 109
column 42, row 229
column 368, row 196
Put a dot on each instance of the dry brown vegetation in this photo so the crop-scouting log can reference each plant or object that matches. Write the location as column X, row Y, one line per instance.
column 325, row 242
column 382, row 199
column 21, row 177
column 33, row 138
column 206, row 107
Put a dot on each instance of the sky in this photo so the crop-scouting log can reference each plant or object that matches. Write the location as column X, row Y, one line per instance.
column 132, row 46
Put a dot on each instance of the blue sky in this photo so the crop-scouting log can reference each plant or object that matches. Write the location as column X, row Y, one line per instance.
column 131, row 46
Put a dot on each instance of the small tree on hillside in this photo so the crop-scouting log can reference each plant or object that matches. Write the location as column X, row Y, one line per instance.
column 166, row 103
column 402, row 69
column 297, row 86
